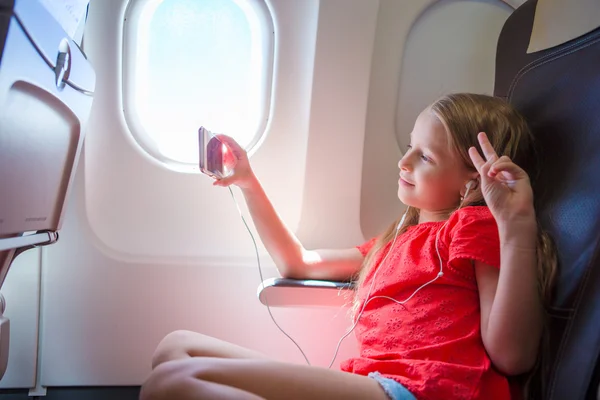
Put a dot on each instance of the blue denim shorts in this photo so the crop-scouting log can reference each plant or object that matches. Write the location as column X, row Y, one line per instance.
column 393, row 389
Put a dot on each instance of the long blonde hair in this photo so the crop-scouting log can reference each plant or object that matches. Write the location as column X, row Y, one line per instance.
column 464, row 115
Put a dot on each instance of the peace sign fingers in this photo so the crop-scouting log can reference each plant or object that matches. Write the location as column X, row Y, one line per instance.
column 483, row 166
column 504, row 185
column 486, row 146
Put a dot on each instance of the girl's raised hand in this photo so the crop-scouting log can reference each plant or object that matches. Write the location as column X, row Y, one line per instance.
column 242, row 175
column 505, row 186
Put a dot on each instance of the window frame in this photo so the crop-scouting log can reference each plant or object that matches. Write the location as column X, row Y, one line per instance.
column 130, row 37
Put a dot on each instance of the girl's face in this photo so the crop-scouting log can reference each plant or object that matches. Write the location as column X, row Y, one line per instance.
column 432, row 174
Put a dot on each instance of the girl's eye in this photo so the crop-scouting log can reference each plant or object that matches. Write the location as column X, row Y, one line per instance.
column 423, row 156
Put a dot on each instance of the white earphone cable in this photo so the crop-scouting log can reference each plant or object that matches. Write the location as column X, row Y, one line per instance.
column 262, row 280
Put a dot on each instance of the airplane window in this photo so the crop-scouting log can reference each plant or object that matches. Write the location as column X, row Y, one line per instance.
column 190, row 63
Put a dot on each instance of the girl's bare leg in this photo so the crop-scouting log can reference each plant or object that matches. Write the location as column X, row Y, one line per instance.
column 180, row 345
column 189, row 366
column 225, row 378
column 177, row 387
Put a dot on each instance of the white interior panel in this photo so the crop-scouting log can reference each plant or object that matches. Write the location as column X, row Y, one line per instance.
column 21, row 290
column 142, row 252
column 331, row 211
column 141, row 211
column 424, row 50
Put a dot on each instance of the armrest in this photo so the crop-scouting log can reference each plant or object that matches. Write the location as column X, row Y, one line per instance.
column 284, row 292
column 28, row 241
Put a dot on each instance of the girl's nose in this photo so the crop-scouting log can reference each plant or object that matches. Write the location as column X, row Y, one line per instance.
column 403, row 164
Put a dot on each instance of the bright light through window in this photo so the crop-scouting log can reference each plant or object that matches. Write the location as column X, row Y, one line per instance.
column 199, row 63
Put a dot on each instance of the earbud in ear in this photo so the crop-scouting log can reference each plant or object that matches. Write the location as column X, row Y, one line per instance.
column 470, row 185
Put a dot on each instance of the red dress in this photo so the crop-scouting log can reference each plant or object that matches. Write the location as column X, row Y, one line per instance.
column 432, row 344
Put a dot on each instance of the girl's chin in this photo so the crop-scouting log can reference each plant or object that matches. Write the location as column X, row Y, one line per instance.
column 407, row 200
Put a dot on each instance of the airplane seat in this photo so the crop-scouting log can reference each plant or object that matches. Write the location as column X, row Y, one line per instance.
column 558, row 91
column 46, row 91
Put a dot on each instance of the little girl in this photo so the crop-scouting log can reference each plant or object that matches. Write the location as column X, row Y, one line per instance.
column 469, row 240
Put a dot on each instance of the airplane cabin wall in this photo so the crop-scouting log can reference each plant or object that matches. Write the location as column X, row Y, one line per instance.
column 117, row 282
column 142, row 251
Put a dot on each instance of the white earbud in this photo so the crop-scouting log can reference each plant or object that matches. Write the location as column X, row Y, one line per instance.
column 471, row 184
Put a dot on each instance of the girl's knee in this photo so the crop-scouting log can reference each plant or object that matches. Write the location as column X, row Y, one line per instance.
column 178, row 338
column 184, row 344
column 172, row 347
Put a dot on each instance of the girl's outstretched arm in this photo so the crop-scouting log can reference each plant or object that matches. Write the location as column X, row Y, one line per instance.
column 290, row 256
column 511, row 306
